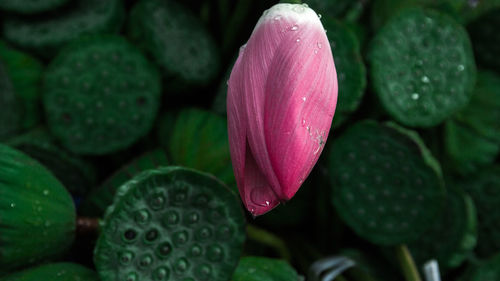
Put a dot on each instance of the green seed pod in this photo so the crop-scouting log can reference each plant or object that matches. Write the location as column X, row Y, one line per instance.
column 453, row 235
column 102, row 196
column 74, row 173
column 386, row 185
column 63, row 271
column 100, row 95
column 25, row 73
column 37, row 215
column 199, row 140
column 11, row 113
column 29, row 6
column 484, row 189
column 177, row 41
column 472, row 136
column 264, row 269
column 351, row 71
column 486, row 40
column 171, row 224
column 422, row 67
column 45, row 35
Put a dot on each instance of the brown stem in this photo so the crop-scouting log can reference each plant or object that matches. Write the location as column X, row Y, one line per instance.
column 86, row 226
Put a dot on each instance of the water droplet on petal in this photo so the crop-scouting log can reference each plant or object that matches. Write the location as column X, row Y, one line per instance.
column 278, row 17
column 316, row 51
column 298, row 40
column 319, row 45
column 260, row 197
column 294, row 28
column 304, row 99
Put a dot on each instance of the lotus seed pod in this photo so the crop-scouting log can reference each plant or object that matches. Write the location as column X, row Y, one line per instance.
column 63, row 271
column 264, row 269
column 385, row 183
column 199, row 140
column 472, row 136
column 100, row 95
column 351, row 71
column 34, row 204
column 46, row 34
column 25, row 73
column 102, row 197
column 29, row 6
column 178, row 42
column 422, row 67
column 484, row 189
column 11, row 113
column 452, row 237
column 171, row 224
column 75, row 174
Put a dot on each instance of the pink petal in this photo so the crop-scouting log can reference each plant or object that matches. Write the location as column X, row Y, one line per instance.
column 255, row 192
column 281, row 100
column 301, row 96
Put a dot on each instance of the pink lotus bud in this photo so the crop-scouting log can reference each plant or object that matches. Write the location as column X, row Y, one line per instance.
column 281, row 99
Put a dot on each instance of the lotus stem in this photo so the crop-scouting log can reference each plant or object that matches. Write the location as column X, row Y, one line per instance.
column 269, row 239
column 407, row 263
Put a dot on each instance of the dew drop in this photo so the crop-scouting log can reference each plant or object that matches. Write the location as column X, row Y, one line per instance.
column 278, row 17
column 425, row 79
column 294, row 28
column 303, row 122
column 460, row 67
column 259, row 197
column 415, row 96
column 299, row 8
column 304, row 99
column 298, row 40
column 319, row 45
column 315, row 51
column 46, row 192
column 319, row 16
